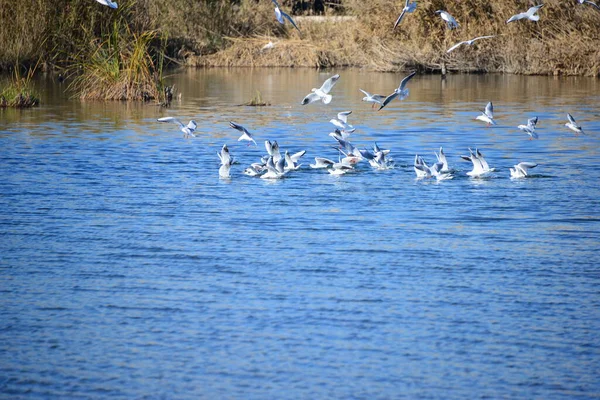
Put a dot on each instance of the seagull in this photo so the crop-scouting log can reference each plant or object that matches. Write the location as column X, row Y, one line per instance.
column 423, row 171
column 341, row 122
column 322, row 93
column 469, row 42
column 372, row 98
column 448, row 18
column 340, row 168
column 529, row 14
column 272, row 171
column 321, row 162
column 188, row 130
column 273, row 150
column 572, row 125
column 400, row 91
column 280, row 15
column 488, row 114
column 290, row 163
column 408, row 7
column 226, row 162
column 591, row 3
column 340, row 134
column 521, row 170
column 441, row 157
column 480, row 165
column 530, row 128
column 245, row 134
column 111, row 4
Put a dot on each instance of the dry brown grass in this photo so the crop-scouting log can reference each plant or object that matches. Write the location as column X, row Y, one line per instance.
column 566, row 40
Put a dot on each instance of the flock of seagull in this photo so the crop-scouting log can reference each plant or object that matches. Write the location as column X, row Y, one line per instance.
column 275, row 166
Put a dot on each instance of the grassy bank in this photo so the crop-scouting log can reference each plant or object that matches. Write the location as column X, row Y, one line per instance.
column 566, row 40
column 17, row 91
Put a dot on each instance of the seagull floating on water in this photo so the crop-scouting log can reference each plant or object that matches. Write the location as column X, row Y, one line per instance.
column 408, row 8
column 226, row 162
column 441, row 158
column 521, row 170
column 109, row 3
column 399, row 91
column 468, row 42
column 321, row 162
column 322, row 93
column 280, row 15
column 188, row 130
column 245, row 134
column 572, row 125
column 529, row 14
column 487, row 115
column 530, row 128
column 450, row 21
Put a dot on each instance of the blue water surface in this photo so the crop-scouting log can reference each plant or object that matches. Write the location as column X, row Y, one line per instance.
column 129, row 269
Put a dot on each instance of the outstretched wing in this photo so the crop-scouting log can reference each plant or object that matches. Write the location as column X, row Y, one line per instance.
column 290, row 19
column 405, row 81
column 239, row 128
column 489, row 110
column 329, row 83
column 343, row 116
column 591, row 3
column 388, row 99
column 571, row 119
column 455, row 46
column 171, row 119
column 310, row 98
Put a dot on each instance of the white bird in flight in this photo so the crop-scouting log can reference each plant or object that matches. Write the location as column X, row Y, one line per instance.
column 487, row 115
column 109, row 3
column 572, row 125
column 280, row 15
column 591, row 3
column 530, row 128
column 399, row 91
column 341, row 122
column 469, row 42
column 322, row 93
column 521, row 170
column 450, row 21
column 408, row 8
column 373, row 98
column 529, row 14
column 188, row 130
column 245, row 134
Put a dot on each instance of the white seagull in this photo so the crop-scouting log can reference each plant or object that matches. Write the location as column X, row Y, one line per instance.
column 226, row 162
column 521, row 170
column 480, row 165
column 529, row 14
column 487, row 115
column 372, row 98
column 530, row 128
column 188, row 130
column 399, row 91
column 322, row 93
column 591, row 3
column 572, row 125
column 408, row 7
column 441, row 157
column 448, row 18
column 280, row 15
column 245, row 134
column 111, row 4
column 341, row 122
column 469, row 42
column 321, row 162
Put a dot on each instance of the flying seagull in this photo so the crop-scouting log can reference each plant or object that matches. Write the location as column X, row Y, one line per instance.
column 572, row 125
column 280, row 15
column 109, row 3
column 487, row 115
column 372, row 98
column 188, row 130
column 448, row 18
column 591, row 3
column 399, row 91
column 245, row 134
column 530, row 128
column 322, row 93
column 529, row 14
column 469, row 42
column 408, row 7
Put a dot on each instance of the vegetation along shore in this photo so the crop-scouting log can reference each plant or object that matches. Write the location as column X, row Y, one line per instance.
column 120, row 53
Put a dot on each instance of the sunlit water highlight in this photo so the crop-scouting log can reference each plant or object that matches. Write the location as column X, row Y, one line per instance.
column 128, row 269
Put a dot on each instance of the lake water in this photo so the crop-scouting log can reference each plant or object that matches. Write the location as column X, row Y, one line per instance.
column 129, row 270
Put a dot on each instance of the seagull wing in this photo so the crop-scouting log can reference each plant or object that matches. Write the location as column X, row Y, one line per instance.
column 296, row 156
column 192, row 125
column 388, row 99
column 343, row 116
column 290, row 19
column 329, row 83
column 571, row 119
column 405, row 81
column 310, row 98
column 366, row 93
column 400, row 17
column 489, row 110
column 516, row 17
column 483, row 37
column 591, row 3
column 279, row 16
column 455, row 46
column 239, row 128
column 171, row 119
